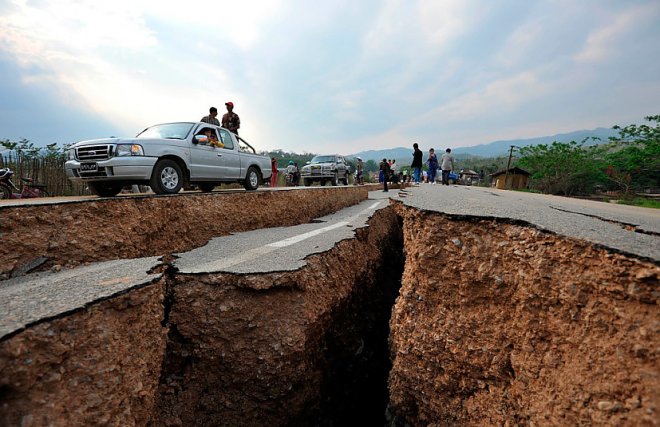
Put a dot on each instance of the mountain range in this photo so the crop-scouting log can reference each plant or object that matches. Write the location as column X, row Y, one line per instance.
column 492, row 149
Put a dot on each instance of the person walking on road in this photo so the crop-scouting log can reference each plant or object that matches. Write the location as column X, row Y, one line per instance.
column 433, row 165
column 416, row 163
column 385, row 169
column 210, row 119
column 360, row 168
column 230, row 120
column 447, row 165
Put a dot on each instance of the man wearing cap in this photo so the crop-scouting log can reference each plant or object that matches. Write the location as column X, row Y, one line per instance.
column 210, row 119
column 230, row 120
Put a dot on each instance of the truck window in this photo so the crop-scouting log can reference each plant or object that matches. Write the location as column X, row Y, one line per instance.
column 226, row 139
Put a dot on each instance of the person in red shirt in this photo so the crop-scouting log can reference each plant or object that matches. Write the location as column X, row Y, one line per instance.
column 273, row 169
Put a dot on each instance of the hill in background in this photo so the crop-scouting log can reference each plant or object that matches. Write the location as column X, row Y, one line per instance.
column 493, row 149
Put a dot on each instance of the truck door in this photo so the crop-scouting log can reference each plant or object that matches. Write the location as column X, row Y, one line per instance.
column 230, row 161
column 204, row 160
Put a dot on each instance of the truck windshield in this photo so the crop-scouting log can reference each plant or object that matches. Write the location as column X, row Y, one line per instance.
column 167, row 131
column 323, row 159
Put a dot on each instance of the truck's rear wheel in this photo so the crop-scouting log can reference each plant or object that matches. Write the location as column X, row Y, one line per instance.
column 105, row 189
column 335, row 179
column 166, row 177
column 251, row 182
column 307, row 182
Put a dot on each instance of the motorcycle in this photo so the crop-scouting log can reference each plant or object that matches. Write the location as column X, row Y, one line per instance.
column 29, row 188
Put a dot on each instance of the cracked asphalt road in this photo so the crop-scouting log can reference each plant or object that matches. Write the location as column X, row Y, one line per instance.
column 629, row 229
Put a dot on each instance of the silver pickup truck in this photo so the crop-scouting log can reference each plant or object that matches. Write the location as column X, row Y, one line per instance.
column 165, row 157
column 328, row 168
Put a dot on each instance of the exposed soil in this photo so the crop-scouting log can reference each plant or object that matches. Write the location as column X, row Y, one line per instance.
column 285, row 348
column 501, row 324
column 70, row 234
column 98, row 366
column 496, row 323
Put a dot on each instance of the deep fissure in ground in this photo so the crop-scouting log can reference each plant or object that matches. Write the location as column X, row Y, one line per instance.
column 308, row 347
column 493, row 322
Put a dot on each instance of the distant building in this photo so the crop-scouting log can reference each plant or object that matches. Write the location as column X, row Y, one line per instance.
column 515, row 179
column 468, row 177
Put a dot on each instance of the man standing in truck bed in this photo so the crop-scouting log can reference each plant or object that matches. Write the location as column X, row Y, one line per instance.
column 231, row 120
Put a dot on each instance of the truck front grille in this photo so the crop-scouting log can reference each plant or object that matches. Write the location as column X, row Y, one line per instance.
column 94, row 152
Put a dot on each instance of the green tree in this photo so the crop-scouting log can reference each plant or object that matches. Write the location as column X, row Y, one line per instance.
column 632, row 159
column 562, row 168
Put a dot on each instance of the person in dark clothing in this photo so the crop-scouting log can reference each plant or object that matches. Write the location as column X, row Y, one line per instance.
column 433, row 165
column 231, row 121
column 385, row 168
column 417, row 163
column 210, row 119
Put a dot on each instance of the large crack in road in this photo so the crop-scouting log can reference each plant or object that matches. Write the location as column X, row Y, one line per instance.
column 495, row 319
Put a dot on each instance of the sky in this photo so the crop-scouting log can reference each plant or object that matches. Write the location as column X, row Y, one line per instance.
column 331, row 76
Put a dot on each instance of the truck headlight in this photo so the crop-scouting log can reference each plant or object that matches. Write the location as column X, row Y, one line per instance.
column 129, row 150
column 71, row 154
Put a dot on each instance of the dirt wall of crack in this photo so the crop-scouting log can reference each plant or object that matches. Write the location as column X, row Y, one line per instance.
column 97, row 366
column 307, row 347
column 503, row 324
column 69, row 234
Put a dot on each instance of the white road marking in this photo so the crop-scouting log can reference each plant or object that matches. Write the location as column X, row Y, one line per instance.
column 304, row 236
column 250, row 255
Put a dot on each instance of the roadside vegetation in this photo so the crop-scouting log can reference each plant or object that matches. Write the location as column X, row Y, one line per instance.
column 626, row 167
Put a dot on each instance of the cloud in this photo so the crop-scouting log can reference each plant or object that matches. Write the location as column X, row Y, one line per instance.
column 605, row 42
column 497, row 97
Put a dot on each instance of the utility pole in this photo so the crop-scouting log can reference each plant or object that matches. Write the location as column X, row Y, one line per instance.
column 508, row 164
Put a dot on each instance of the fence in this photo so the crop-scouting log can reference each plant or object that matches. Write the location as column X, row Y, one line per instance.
column 43, row 170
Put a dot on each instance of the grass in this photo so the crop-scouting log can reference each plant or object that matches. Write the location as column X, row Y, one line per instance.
column 642, row 202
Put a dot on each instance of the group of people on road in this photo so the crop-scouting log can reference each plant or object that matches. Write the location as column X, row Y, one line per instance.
column 230, row 120
column 388, row 173
column 446, row 164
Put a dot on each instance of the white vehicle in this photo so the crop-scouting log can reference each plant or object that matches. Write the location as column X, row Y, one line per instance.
column 165, row 157
column 327, row 168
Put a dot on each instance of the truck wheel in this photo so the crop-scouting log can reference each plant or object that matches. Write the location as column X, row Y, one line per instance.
column 307, row 182
column 346, row 178
column 335, row 180
column 251, row 182
column 323, row 181
column 5, row 192
column 166, row 177
column 105, row 189
column 206, row 187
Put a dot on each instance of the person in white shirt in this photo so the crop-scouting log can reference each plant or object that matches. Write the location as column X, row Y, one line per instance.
column 447, row 165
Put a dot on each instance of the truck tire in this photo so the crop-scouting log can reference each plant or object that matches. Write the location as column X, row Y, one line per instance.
column 323, row 181
column 206, row 187
column 346, row 178
column 251, row 182
column 307, row 182
column 167, row 177
column 105, row 189
column 335, row 180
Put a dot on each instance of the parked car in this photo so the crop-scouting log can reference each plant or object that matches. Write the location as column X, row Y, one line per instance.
column 326, row 168
column 165, row 157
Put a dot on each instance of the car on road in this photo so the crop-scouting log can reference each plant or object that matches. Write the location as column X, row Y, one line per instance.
column 165, row 157
column 331, row 168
